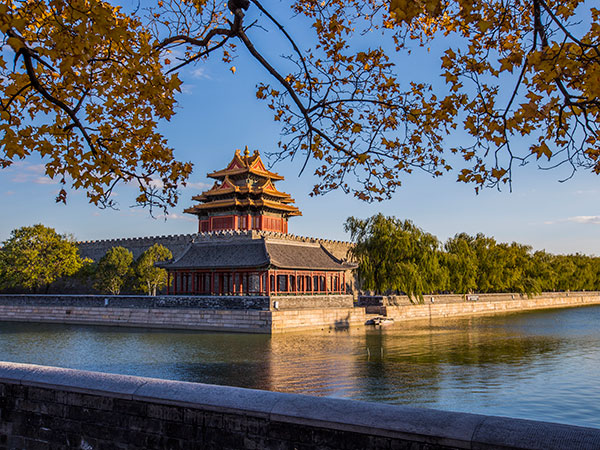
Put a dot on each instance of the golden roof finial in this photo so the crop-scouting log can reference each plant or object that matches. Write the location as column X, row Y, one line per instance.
column 246, row 152
column 237, row 152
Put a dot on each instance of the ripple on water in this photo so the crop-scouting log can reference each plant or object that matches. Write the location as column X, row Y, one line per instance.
column 541, row 365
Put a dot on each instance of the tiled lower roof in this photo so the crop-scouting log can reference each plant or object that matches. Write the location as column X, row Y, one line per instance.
column 205, row 255
column 256, row 253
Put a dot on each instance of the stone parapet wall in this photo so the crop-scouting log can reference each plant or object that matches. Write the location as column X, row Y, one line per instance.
column 242, row 302
column 138, row 301
column 401, row 300
column 493, row 305
column 311, row 301
column 52, row 408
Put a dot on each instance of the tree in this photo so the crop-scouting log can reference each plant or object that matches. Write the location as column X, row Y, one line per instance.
column 36, row 256
column 395, row 255
column 461, row 261
column 517, row 69
column 150, row 278
column 96, row 81
column 86, row 91
column 113, row 270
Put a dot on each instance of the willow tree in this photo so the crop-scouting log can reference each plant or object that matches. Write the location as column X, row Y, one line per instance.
column 461, row 261
column 395, row 255
column 521, row 79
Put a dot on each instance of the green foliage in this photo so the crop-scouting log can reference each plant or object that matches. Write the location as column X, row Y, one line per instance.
column 113, row 270
column 36, row 256
column 397, row 256
column 148, row 277
column 461, row 262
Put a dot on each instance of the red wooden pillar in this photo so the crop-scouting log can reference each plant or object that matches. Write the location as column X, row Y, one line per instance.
column 260, row 283
column 168, row 281
column 295, row 281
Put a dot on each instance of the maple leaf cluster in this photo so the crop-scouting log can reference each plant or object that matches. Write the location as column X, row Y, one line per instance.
column 90, row 84
column 85, row 91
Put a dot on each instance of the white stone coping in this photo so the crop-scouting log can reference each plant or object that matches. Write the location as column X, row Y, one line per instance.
column 460, row 430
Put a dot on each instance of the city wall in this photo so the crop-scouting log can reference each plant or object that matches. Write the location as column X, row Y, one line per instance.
column 258, row 314
column 179, row 242
column 47, row 407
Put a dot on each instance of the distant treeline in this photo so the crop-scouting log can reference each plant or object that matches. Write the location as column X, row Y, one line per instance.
column 396, row 256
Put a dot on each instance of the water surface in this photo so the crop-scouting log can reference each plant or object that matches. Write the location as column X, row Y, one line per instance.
column 540, row 365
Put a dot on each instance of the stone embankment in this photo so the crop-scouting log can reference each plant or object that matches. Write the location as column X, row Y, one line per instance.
column 252, row 314
column 399, row 308
column 262, row 314
column 47, row 407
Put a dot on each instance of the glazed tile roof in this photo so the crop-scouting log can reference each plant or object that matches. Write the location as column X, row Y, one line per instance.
column 245, row 164
column 235, row 189
column 256, row 253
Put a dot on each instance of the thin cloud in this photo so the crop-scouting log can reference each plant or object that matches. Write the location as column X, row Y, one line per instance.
column 30, row 173
column 175, row 216
column 595, row 220
column 198, row 185
column 187, row 88
column 200, row 72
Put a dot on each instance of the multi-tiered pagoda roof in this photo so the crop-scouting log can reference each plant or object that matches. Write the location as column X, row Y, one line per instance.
column 244, row 197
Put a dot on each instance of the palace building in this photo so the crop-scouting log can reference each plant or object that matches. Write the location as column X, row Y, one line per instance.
column 244, row 197
column 243, row 246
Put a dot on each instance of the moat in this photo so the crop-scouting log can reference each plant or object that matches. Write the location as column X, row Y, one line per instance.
column 538, row 365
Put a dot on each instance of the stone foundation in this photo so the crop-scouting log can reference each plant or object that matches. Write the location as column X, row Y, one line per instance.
column 197, row 314
column 245, row 314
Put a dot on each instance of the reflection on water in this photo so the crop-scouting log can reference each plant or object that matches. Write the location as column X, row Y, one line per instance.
column 539, row 365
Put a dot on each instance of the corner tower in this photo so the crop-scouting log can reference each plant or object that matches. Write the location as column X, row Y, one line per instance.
column 244, row 197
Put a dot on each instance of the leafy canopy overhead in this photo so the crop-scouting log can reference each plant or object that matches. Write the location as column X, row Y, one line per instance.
column 89, row 84
column 83, row 87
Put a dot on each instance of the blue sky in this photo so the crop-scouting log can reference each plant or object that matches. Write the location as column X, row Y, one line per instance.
column 218, row 112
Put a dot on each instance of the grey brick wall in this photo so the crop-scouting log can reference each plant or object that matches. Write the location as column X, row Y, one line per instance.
column 52, row 408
